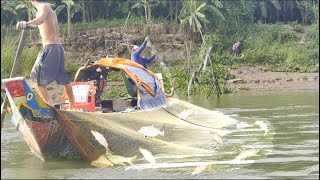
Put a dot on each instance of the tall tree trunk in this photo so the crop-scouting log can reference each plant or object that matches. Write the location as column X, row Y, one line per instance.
column 285, row 12
column 149, row 13
column 91, row 11
column 170, row 7
column 69, row 20
column 146, row 13
column 176, row 12
column 316, row 14
column 84, row 12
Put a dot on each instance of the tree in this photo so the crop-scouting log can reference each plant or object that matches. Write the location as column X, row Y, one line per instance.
column 72, row 8
column 146, row 4
column 191, row 16
column 262, row 7
column 7, row 10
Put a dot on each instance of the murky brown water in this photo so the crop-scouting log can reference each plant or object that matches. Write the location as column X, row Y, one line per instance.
column 290, row 149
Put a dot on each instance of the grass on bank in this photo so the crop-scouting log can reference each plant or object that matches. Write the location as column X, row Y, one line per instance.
column 278, row 47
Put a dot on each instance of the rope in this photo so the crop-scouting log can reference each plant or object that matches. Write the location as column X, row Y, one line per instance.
column 187, row 120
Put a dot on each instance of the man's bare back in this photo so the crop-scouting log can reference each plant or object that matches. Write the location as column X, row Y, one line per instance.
column 47, row 22
column 49, row 29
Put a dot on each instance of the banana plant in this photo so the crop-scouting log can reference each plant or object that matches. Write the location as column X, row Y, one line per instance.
column 147, row 9
column 191, row 17
column 7, row 10
column 25, row 5
column 263, row 7
column 72, row 8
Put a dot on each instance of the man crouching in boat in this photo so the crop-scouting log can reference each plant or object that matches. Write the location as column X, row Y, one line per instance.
column 136, row 54
column 49, row 65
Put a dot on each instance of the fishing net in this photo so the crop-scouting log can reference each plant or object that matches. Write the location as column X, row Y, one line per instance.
column 189, row 135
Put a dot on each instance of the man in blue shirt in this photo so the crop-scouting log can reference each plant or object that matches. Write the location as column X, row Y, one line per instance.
column 136, row 54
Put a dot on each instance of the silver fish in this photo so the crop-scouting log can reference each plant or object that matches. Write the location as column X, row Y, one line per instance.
column 246, row 154
column 102, row 140
column 110, row 160
column 147, row 155
column 263, row 126
column 242, row 125
column 201, row 168
column 185, row 113
column 217, row 138
column 150, row 131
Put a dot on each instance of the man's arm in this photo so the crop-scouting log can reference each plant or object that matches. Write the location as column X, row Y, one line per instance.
column 149, row 60
column 41, row 17
column 141, row 48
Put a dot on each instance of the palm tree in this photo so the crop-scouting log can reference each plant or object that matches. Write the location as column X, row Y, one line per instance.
column 262, row 6
column 191, row 17
column 72, row 8
column 145, row 4
column 26, row 5
column 7, row 6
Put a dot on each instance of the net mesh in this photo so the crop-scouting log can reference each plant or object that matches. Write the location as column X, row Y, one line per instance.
column 181, row 135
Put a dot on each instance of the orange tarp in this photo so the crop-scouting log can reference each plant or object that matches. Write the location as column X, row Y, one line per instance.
column 114, row 63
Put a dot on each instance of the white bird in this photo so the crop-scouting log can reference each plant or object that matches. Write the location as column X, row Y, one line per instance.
column 263, row 126
column 102, row 140
column 147, row 155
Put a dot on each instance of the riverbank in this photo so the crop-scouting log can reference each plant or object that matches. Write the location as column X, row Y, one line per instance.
column 247, row 79
column 258, row 79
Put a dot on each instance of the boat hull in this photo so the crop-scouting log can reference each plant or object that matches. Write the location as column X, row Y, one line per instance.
column 56, row 134
column 37, row 122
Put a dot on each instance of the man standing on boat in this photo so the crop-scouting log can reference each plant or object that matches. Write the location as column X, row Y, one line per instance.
column 49, row 65
column 136, row 54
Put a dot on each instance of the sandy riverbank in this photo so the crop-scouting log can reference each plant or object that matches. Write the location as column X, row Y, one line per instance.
column 256, row 79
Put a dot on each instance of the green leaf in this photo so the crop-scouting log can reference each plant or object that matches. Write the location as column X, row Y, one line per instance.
column 59, row 8
column 200, row 15
column 21, row 6
column 201, row 6
column 217, row 3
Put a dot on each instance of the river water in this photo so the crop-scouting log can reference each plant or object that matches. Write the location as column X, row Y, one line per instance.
column 289, row 149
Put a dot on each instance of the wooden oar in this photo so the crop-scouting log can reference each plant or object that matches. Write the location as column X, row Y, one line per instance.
column 14, row 67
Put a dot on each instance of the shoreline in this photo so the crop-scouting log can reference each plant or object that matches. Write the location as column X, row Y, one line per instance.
column 257, row 79
column 247, row 79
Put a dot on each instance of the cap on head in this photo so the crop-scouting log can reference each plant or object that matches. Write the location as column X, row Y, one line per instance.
column 135, row 47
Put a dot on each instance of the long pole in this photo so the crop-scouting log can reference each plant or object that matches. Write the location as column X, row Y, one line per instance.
column 165, row 69
column 14, row 67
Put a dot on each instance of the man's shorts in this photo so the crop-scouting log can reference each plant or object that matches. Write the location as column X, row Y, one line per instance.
column 49, row 66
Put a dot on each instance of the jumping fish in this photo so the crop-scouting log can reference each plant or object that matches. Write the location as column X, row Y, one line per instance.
column 102, row 162
column 201, row 168
column 185, row 113
column 242, row 125
column 246, row 154
column 147, row 155
column 150, row 131
column 217, row 138
column 263, row 126
column 110, row 160
column 102, row 140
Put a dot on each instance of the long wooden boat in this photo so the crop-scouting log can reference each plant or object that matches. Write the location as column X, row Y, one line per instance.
column 53, row 133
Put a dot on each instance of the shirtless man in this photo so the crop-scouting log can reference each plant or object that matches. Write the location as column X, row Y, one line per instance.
column 236, row 48
column 49, row 65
